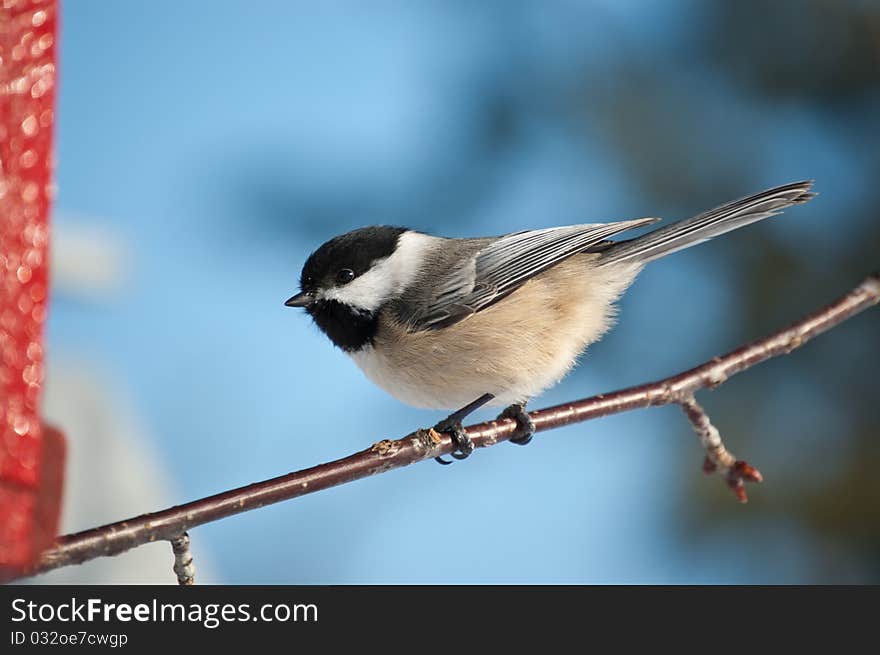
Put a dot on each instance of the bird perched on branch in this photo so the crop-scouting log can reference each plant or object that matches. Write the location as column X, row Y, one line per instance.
column 444, row 323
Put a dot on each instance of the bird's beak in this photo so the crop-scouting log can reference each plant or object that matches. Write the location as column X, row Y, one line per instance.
column 303, row 299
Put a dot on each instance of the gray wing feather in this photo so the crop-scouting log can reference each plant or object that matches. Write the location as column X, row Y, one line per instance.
column 689, row 232
column 503, row 265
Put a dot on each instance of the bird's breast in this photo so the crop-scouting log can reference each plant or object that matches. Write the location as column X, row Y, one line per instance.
column 513, row 349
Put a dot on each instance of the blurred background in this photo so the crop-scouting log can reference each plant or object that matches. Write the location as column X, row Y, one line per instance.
column 206, row 148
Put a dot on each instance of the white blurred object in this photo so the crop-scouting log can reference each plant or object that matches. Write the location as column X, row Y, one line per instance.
column 112, row 474
column 87, row 260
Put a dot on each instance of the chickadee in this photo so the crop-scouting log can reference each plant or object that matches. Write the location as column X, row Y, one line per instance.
column 443, row 323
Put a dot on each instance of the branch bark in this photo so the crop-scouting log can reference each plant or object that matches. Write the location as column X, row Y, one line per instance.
column 170, row 524
column 183, row 567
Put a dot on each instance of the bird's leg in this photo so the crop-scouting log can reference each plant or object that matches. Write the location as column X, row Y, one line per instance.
column 525, row 426
column 452, row 425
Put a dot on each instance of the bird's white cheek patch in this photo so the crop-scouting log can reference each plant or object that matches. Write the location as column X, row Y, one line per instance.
column 387, row 277
column 366, row 292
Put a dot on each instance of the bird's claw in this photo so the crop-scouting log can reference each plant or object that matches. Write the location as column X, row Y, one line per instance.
column 464, row 445
column 525, row 426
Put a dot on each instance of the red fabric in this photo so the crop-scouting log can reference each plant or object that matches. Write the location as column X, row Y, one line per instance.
column 31, row 457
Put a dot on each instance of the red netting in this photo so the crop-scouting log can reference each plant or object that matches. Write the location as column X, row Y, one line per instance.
column 30, row 458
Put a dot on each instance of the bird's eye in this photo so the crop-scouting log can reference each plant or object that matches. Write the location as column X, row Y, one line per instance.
column 344, row 276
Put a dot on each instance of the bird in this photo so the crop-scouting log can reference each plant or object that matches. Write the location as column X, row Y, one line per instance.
column 444, row 323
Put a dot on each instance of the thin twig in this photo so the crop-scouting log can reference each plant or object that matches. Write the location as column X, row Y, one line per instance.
column 183, row 561
column 425, row 444
column 718, row 458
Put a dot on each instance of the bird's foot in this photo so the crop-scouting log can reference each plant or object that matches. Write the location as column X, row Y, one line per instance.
column 525, row 426
column 464, row 445
column 451, row 425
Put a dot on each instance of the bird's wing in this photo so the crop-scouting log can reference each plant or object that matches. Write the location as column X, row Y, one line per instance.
column 504, row 265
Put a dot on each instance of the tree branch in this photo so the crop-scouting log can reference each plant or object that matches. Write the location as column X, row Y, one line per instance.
column 718, row 458
column 171, row 524
column 183, row 561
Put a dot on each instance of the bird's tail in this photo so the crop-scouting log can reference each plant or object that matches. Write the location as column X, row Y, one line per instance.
column 691, row 231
